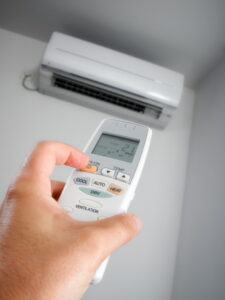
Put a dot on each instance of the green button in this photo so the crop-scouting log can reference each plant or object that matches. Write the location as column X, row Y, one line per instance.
column 95, row 193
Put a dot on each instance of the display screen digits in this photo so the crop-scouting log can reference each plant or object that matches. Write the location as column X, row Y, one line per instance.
column 116, row 147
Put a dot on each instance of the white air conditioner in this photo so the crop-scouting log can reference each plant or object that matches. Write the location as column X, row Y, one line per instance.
column 109, row 81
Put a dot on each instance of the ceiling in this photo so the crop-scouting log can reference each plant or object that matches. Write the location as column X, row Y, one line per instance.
column 184, row 35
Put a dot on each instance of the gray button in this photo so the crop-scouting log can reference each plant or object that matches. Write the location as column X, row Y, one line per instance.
column 99, row 183
column 123, row 177
column 108, row 172
column 81, row 180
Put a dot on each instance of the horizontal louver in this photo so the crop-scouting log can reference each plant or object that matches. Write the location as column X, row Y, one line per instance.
column 84, row 88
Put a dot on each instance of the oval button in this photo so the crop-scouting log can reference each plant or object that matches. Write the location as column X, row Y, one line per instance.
column 91, row 203
column 90, row 169
column 115, row 189
column 95, row 193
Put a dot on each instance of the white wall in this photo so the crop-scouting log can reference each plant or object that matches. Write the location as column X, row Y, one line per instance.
column 144, row 268
column 200, row 270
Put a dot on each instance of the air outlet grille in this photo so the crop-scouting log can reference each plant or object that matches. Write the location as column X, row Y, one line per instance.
column 84, row 88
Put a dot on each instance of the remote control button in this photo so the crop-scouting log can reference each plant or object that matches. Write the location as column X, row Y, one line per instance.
column 90, row 169
column 115, row 189
column 108, row 172
column 67, row 209
column 99, row 183
column 81, row 180
column 95, row 193
column 91, row 203
column 123, row 177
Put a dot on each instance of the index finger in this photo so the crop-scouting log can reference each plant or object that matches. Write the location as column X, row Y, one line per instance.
column 46, row 155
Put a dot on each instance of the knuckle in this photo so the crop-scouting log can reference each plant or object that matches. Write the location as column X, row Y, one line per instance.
column 19, row 188
column 47, row 146
column 42, row 144
column 13, row 191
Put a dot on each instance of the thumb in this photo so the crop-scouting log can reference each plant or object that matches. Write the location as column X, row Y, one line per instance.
column 115, row 231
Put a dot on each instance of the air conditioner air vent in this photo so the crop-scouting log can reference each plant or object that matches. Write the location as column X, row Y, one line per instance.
column 104, row 95
column 96, row 92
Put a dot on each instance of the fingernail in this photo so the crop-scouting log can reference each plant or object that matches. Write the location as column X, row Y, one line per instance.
column 137, row 222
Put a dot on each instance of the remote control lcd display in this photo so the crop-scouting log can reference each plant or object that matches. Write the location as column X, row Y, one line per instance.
column 116, row 147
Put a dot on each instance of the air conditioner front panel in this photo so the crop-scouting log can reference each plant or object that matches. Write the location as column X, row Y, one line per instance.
column 110, row 67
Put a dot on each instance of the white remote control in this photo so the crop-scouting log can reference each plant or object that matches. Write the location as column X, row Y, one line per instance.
column 117, row 151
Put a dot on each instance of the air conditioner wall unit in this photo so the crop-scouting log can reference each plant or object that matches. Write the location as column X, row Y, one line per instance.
column 109, row 81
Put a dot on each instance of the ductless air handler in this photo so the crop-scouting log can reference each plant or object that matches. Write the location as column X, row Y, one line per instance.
column 109, row 81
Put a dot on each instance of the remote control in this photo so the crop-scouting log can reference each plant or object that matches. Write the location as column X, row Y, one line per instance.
column 106, row 186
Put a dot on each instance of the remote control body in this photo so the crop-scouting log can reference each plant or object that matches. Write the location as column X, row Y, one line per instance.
column 117, row 151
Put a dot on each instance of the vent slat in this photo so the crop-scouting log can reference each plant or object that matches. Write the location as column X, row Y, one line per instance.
column 83, row 88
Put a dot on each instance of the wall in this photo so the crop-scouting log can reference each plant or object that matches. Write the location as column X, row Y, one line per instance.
column 200, row 270
column 144, row 268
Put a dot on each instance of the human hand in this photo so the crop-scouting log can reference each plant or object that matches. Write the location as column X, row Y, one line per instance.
column 44, row 253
